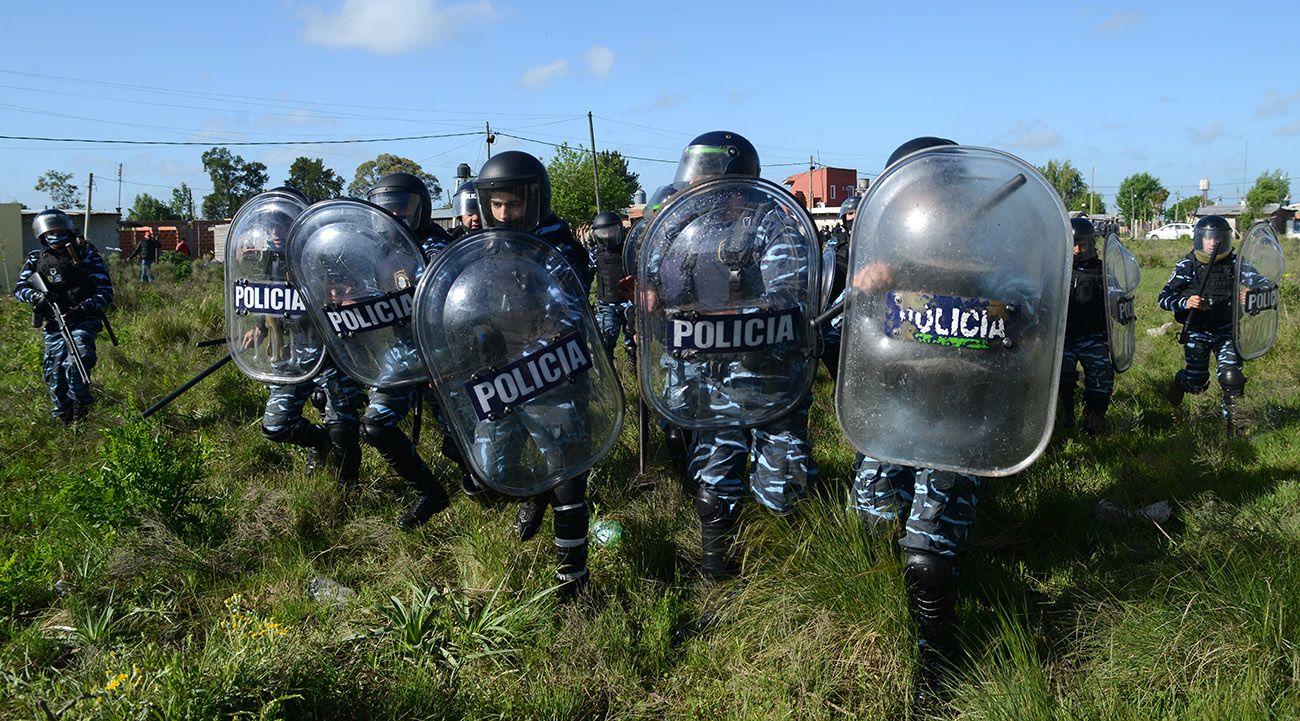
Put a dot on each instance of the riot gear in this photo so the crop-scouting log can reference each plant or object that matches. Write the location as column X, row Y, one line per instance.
column 1260, row 266
column 53, row 227
column 464, row 204
column 514, row 191
column 1085, row 239
column 1122, row 277
column 1211, row 229
column 715, row 153
column 607, row 230
column 406, row 197
column 916, row 145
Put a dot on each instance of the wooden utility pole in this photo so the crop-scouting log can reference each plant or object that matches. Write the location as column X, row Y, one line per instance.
column 595, row 174
column 90, row 191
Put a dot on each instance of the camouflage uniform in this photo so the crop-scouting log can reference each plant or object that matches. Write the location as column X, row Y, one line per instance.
column 1086, row 344
column 939, row 505
column 82, row 289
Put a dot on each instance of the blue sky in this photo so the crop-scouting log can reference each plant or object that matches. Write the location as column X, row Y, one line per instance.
column 1181, row 90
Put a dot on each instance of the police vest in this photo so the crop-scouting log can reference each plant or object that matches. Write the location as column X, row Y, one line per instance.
column 69, row 282
column 1218, row 289
column 609, row 271
column 1086, row 312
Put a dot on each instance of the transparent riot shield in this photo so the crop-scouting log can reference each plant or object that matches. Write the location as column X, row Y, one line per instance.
column 631, row 244
column 270, row 337
column 955, row 316
column 828, row 274
column 727, row 282
column 357, row 267
column 505, row 329
column 1120, row 269
column 1258, row 302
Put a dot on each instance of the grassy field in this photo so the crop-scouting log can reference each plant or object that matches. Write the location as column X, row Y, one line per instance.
column 164, row 569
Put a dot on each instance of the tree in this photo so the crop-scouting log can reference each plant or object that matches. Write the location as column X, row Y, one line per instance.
column 1089, row 202
column 234, row 181
column 60, row 188
column 310, row 177
column 182, row 204
column 148, row 208
column 1067, row 180
column 369, row 173
column 1183, row 210
column 1270, row 187
column 573, row 196
column 1141, row 196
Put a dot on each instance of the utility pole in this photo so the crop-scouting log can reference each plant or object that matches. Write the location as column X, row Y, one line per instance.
column 595, row 174
column 1092, row 194
column 487, row 129
column 119, row 191
column 90, row 191
column 811, row 166
column 194, row 227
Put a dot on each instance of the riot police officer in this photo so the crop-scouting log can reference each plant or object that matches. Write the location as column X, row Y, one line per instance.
column 1200, row 294
column 514, row 192
column 612, row 299
column 1086, row 341
column 464, row 205
column 406, row 197
column 77, row 282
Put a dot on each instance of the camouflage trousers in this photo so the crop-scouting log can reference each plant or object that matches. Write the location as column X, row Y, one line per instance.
column 1093, row 353
column 388, row 406
column 59, row 370
column 342, row 400
column 611, row 318
column 1200, row 344
column 778, row 455
column 939, row 505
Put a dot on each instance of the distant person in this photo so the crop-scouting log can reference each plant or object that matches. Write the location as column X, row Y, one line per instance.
column 147, row 250
column 182, row 247
column 465, row 205
column 1086, row 341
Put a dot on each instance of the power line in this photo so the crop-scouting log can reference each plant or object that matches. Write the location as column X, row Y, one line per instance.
column 242, row 142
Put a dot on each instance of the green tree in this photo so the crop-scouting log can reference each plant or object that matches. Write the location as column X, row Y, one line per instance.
column 369, row 173
column 1183, row 210
column 182, row 204
column 573, row 197
column 148, row 208
column 1270, row 187
column 1089, row 202
column 1067, row 180
column 310, row 177
column 234, row 181
column 1141, row 197
column 60, row 188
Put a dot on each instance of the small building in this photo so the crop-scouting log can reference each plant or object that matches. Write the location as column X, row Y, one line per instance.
column 1228, row 212
column 102, row 231
column 823, row 187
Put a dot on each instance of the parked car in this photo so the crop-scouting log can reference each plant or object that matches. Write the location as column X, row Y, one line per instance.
column 1171, row 231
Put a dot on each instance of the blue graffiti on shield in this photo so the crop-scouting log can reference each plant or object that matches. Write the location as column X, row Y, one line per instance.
column 949, row 320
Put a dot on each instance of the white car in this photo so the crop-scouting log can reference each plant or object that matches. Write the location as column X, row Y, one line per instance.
column 1171, row 231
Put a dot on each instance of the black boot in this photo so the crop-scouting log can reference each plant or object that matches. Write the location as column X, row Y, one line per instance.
column 1232, row 414
column 401, row 455
column 1174, row 394
column 1065, row 403
column 347, row 450
column 569, row 504
column 528, row 519
column 677, row 442
column 932, row 598
column 1094, row 413
column 718, row 518
column 1233, row 383
column 306, row 434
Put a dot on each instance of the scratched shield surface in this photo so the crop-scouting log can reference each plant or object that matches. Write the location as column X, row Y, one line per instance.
column 1258, row 305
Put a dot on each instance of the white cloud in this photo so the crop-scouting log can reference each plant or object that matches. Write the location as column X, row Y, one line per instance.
column 392, row 27
column 1205, row 135
column 1289, row 129
column 600, row 60
column 539, row 75
column 1276, row 103
column 1033, row 136
column 1121, row 22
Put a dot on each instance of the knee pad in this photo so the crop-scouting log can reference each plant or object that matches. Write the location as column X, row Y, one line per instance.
column 929, row 572
column 1233, row 381
column 714, row 508
column 343, row 434
column 379, row 435
column 280, row 434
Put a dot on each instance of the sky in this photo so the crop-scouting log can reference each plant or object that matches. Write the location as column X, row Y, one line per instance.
column 1184, row 91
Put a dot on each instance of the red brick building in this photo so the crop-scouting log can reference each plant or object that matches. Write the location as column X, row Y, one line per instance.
column 198, row 235
column 829, row 186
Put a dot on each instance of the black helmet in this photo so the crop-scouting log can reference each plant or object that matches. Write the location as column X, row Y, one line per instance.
column 1214, row 227
column 406, row 197
column 607, row 229
column 716, row 153
column 915, row 144
column 1085, row 237
column 656, row 201
column 850, row 205
column 291, row 191
column 465, row 201
column 515, row 185
column 53, row 227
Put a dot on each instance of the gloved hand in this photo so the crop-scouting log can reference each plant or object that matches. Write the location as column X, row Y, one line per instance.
column 81, row 312
column 38, row 299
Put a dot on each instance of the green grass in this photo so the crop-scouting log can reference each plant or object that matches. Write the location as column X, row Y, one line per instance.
column 161, row 569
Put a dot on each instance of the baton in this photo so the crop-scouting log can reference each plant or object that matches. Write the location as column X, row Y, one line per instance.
column 998, row 196
column 188, row 385
column 108, row 327
column 1187, row 321
column 209, row 342
column 642, row 434
column 38, row 283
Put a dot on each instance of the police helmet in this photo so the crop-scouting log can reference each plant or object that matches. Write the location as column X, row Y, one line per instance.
column 514, row 191
column 1085, row 238
column 53, row 227
column 607, row 229
column 850, row 205
column 914, row 145
column 406, row 197
column 715, row 153
column 286, row 190
column 657, row 201
column 465, row 201
column 1216, row 228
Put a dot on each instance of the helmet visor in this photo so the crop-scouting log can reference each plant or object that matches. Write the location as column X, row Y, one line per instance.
column 608, row 236
column 465, row 203
column 404, row 206
column 1212, row 241
column 703, row 161
column 517, row 207
column 57, row 238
